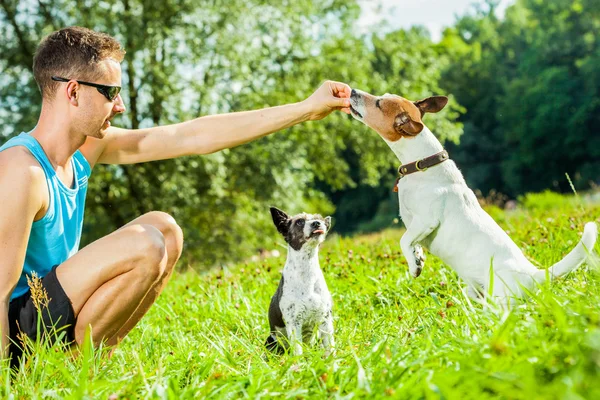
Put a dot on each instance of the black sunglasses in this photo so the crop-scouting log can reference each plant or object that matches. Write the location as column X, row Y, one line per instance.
column 110, row 92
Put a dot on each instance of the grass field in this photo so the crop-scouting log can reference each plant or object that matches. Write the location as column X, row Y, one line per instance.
column 397, row 337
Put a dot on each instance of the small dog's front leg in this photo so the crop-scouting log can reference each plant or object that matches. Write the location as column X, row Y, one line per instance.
column 419, row 256
column 413, row 252
column 294, row 334
column 326, row 335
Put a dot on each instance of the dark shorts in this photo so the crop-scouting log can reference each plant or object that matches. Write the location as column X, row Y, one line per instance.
column 58, row 317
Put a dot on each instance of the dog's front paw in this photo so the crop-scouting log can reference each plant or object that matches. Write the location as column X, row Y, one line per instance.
column 419, row 261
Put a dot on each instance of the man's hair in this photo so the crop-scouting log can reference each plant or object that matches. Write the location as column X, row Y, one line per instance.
column 72, row 53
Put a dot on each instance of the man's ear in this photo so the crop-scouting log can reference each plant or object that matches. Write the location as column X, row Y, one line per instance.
column 405, row 125
column 72, row 93
column 281, row 220
column 431, row 104
column 328, row 222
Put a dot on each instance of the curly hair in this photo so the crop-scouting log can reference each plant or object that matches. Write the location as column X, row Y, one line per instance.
column 73, row 53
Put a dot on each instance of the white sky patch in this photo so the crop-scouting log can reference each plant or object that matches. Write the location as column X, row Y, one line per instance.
column 435, row 15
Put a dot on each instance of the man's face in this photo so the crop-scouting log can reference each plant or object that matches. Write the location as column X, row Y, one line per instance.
column 95, row 110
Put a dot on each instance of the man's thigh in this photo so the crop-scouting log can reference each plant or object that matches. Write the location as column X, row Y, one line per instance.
column 106, row 258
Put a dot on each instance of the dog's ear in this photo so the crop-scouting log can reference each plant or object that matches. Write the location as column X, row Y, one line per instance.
column 281, row 220
column 431, row 104
column 328, row 223
column 405, row 125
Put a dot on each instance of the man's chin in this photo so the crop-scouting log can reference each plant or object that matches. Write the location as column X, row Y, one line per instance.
column 100, row 134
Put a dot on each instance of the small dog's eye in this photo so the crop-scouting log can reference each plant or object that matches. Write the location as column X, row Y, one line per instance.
column 300, row 222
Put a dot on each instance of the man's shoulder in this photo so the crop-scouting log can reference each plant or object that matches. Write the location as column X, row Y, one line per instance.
column 19, row 162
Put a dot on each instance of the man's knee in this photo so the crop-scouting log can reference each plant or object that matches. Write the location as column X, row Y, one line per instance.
column 170, row 229
column 149, row 247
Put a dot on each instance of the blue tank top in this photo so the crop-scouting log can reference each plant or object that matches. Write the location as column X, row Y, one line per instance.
column 56, row 236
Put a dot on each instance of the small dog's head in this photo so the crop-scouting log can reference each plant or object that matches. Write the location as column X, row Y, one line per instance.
column 393, row 117
column 302, row 229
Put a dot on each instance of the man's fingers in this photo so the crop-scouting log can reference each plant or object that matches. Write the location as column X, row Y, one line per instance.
column 341, row 102
column 340, row 89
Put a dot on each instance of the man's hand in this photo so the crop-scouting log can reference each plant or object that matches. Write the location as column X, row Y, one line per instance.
column 327, row 98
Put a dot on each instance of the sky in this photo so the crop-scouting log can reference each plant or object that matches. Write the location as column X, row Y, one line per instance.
column 433, row 14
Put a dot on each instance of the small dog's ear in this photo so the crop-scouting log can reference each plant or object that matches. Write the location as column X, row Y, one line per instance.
column 405, row 125
column 328, row 222
column 280, row 219
column 431, row 104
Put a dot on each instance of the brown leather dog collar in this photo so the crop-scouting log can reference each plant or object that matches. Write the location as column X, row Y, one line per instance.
column 421, row 165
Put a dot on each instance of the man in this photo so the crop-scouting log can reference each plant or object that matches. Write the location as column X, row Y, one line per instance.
column 110, row 284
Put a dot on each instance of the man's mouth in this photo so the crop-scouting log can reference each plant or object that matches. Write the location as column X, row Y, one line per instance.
column 107, row 122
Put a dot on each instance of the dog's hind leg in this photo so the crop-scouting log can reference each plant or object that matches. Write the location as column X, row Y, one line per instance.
column 413, row 252
column 475, row 293
column 274, row 345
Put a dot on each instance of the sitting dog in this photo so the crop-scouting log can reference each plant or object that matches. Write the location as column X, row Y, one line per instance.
column 302, row 303
column 441, row 213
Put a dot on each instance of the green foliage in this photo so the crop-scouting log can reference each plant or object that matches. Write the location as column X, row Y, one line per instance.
column 531, row 93
column 396, row 336
column 190, row 58
column 524, row 89
column 546, row 200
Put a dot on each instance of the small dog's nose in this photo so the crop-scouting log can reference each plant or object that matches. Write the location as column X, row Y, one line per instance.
column 353, row 93
column 315, row 224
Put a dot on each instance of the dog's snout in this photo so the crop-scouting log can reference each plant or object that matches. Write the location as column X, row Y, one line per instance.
column 353, row 93
column 315, row 224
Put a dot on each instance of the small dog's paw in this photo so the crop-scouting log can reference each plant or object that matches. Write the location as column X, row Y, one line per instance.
column 415, row 272
column 419, row 256
column 419, row 261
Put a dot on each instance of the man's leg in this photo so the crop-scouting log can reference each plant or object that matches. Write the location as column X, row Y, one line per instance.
column 174, row 243
column 112, row 282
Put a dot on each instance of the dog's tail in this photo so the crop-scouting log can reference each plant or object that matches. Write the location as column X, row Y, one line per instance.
column 575, row 258
column 272, row 344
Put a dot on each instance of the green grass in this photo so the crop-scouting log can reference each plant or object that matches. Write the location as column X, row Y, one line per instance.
column 396, row 336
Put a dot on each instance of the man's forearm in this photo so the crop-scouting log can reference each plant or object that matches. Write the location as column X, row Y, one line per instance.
column 217, row 132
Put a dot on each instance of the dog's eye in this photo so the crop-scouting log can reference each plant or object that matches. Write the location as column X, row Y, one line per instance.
column 300, row 222
column 377, row 103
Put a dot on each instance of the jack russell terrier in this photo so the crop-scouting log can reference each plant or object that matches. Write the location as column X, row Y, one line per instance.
column 302, row 303
column 441, row 213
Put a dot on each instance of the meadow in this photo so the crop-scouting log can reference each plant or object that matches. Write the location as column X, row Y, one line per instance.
column 396, row 336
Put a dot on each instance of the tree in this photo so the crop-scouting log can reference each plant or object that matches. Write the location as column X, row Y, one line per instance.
column 531, row 92
column 189, row 58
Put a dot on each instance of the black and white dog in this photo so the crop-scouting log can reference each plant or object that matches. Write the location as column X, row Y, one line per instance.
column 302, row 304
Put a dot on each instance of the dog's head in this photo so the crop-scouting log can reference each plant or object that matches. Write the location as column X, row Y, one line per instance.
column 393, row 117
column 302, row 229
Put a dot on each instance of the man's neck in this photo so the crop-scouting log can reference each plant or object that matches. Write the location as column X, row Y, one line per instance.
column 58, row 142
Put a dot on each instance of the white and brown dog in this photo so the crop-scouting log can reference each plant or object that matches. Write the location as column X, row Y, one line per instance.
column 302, row 304
column 441, row 213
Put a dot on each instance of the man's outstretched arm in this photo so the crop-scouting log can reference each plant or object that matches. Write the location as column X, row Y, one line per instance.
column 20, row 200
column 212, row 133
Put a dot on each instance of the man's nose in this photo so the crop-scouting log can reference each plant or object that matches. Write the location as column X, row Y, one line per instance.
column 119, row 106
